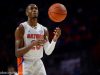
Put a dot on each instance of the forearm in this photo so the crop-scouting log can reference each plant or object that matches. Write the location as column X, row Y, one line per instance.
column 21, row 51
column 49, row 47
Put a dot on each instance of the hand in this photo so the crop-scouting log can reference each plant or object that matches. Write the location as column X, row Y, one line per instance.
column 38, row 42
column 57, row 33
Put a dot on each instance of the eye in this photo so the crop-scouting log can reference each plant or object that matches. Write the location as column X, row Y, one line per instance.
column 35, row 8
column 31, row 8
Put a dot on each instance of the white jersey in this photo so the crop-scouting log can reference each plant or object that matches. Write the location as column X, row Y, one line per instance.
column 32, row 34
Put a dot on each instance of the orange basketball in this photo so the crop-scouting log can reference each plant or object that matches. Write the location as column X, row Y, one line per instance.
column 57, row 12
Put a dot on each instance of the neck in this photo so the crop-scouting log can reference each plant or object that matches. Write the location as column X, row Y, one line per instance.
column 32, row 21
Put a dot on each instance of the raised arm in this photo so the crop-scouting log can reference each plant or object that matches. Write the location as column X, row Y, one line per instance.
column 49, row 47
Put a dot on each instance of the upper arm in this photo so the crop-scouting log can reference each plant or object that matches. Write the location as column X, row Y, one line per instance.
column 46, row 34
column 19, row 41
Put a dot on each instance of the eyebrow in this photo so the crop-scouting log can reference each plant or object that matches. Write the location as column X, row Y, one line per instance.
column 33, row 7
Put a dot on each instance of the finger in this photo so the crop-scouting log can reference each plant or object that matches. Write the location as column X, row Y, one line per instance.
column 41, row 41
column 57, row 28
column 54, row 32
column 57, row 31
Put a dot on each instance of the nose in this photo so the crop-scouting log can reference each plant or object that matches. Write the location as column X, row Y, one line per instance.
column 34, row 10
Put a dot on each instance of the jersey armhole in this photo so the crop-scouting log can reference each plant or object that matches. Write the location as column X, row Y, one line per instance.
column 23, row 28
column 23, row 32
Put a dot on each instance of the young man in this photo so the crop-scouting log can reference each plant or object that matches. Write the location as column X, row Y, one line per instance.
column 31, row 38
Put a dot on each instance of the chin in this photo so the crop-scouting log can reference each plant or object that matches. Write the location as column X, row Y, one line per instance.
column 35, row 16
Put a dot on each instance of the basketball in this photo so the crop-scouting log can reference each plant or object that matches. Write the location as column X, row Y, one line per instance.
column 57, row 12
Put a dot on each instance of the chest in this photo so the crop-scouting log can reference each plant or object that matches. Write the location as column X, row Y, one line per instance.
column 34, row 33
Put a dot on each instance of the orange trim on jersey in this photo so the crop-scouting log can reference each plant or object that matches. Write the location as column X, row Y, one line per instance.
column 38, row 36
column 20, row 66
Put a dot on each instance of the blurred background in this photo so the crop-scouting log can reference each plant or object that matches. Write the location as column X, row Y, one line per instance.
column 78, row 49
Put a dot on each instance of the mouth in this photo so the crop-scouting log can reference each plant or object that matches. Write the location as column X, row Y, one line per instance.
column 34, row 13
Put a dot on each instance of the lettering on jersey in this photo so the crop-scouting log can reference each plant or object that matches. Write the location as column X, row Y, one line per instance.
column 36, row 47
column 35, row 36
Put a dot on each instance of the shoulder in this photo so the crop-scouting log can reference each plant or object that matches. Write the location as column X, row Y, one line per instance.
column 24, row 23
column 20, row 29
column 45, row 28
column 21, row 26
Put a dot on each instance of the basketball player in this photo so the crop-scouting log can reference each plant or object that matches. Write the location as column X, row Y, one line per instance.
column 31, row 38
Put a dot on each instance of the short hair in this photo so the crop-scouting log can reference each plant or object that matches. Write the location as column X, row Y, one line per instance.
column 30, row 5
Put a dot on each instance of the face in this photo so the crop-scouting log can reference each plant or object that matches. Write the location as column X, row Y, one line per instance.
column 32, row 11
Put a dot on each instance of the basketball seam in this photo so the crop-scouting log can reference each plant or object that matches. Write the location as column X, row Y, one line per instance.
column 53, row 17
column 61, row 9
column 57, row 13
